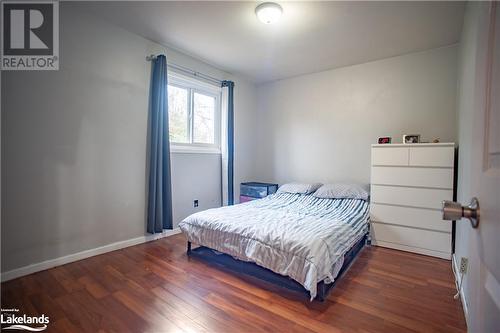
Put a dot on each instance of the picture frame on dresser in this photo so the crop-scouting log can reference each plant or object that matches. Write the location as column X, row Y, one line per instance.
column 411, row 138
column 408, row 184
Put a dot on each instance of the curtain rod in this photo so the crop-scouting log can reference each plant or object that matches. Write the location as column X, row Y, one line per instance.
column 188, row 71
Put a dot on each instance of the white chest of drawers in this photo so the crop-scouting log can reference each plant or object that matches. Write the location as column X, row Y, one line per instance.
column 408, row 183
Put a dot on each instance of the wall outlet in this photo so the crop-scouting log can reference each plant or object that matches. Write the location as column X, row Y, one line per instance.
column 464, row 262
column 195, row 203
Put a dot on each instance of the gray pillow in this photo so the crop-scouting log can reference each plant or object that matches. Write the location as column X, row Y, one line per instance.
column 342, row 191
column 299, row 188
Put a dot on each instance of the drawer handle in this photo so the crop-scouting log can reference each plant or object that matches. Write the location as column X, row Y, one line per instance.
column 455, row 211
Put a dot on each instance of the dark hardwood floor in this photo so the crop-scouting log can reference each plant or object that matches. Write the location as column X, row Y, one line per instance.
column 155, row 287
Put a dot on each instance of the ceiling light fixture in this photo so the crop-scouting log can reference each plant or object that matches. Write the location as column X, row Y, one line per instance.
column 269, row 12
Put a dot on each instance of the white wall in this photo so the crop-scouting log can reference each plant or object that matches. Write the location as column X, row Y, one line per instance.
column 74, row 145
column 470, row 243
column 319, row 127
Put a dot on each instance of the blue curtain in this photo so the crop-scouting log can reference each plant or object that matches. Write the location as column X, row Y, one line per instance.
column 159, row 185
column 230, row 141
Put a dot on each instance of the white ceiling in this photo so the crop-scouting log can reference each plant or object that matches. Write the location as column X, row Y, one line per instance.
column 310, row 37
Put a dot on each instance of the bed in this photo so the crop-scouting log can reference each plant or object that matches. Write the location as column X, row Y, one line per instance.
column 308, row 239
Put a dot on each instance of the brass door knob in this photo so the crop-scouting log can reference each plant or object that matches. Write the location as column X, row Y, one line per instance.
column 455, row 211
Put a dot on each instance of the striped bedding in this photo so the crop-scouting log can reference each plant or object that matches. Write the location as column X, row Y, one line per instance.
column 295, row 235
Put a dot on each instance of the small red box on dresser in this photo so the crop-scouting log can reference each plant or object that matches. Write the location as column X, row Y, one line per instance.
column 244, row 198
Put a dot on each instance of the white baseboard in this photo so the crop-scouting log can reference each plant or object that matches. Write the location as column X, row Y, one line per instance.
column 41, row 266
column 462, row 295
column 401, row 247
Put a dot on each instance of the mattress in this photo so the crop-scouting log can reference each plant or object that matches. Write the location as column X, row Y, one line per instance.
column 296, row 235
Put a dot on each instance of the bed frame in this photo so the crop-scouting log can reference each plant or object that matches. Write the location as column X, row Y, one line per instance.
column 254, row 270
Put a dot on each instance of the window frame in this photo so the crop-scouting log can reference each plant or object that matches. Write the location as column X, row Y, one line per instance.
column 196, row 86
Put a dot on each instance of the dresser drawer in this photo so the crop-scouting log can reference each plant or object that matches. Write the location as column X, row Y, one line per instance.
column 409, row 217
column 433, row 157
column 416, row 238
column 390, row 156
column 410, row 196
column 407, row 176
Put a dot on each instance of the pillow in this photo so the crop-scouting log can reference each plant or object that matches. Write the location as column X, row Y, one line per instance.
column 300, row 188
column 342, row 191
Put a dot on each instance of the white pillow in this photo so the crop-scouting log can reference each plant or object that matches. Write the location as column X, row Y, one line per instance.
column 299, row 188
column 342, row 191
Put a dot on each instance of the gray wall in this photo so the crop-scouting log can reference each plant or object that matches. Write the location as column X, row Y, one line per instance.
column 74, row 140
column 195, row 176
column 319, row 127
column 74, row 145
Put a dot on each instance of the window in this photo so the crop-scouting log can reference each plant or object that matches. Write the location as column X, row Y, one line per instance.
column 178, row 114
column 193, row 114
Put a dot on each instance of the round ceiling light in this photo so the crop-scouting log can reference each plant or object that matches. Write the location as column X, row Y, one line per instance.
column 269, row 12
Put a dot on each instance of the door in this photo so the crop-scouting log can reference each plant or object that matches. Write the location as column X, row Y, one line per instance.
column 480, row 168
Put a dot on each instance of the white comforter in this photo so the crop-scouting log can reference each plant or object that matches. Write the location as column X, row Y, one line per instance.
column 295, row 235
